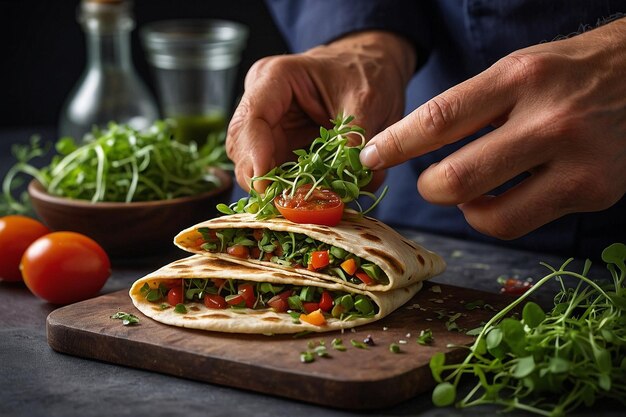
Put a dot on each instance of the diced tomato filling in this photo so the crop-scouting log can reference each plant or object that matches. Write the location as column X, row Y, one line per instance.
column 315, row 304
column 266, row 245
column 319, row 259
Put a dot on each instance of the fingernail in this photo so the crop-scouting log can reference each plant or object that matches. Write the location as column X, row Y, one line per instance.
column 369, row 157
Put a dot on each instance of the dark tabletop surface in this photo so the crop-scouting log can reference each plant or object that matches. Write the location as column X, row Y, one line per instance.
column 37, row 381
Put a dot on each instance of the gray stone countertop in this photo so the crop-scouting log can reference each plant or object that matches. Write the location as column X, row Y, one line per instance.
column 37, row 381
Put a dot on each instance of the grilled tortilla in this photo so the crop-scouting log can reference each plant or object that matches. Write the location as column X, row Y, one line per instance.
column 260, row 319
column 399, row 261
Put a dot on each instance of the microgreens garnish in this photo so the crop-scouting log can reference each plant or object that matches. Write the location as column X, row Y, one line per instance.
column 180, row 309
column 357, row 344
column 127, row 318
column 331, row 162
column 314, row 349
column 119, row 164
column 337, row 344
column 394, row 348
column 548, row 363
column 425, row 337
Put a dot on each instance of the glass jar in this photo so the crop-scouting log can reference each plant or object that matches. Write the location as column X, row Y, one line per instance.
column 195, row 63
column 109, row 88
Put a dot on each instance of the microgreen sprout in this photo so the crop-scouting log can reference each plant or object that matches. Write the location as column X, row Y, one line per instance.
column 394, row 348
column 548, row 363
column 127, row 318
column 357, row 344
column 331, row 162
column 119, row 164
column 425, row 337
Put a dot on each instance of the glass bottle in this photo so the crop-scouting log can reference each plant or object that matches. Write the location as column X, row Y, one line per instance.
column 109, row 88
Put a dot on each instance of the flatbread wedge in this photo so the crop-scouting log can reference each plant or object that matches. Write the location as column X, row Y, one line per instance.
column 201, row 276
column 388, row 259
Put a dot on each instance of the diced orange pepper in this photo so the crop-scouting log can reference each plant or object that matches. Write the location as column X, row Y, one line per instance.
column 315, row 318
column 349, row 265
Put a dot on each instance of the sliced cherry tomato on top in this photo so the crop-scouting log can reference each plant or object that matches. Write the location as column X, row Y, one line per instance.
column 247, row 291
column 319, row 259
column 322, row 207
column 326, row 301
column 215, row 301
column 365, row 279
column 16, row 234
column 175, row 296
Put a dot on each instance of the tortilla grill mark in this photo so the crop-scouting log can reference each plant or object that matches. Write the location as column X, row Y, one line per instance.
column 214, row 316
column 371, row 237
column 270, row 319
column 190, row 318
column 420, row 259
column 390, row 260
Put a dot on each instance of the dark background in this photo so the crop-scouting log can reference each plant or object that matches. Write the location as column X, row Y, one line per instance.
column 42, row 49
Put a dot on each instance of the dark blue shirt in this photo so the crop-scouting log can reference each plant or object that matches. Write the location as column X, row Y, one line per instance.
column 455, row 40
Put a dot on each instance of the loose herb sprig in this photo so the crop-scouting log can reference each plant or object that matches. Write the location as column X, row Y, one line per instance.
column 331, row 162
column 128, row 319
column 549, row 363
column 119, row 164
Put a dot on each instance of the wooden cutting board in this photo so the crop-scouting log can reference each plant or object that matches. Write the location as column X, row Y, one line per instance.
column 355, row 379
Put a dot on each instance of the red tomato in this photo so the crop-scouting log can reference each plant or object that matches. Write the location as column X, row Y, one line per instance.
column 278, row 304
column 279, row 301
column 16, row 234
column 322, row 207
column 65, row 267
column 218, row 282
column 365, row 279
column 175, row 296
column 247, row 291
column 319, row 259
column 513, row 286
column 238, row 251
column 309, row 307
column 171, row 283
column 255, row 253
column 326, row 301
column 215, row 301
column 236, row 300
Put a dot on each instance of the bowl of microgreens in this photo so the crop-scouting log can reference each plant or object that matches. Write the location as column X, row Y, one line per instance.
column 130, row 191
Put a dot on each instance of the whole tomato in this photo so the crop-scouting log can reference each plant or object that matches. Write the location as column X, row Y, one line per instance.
column 16, row 234
column 65, row 267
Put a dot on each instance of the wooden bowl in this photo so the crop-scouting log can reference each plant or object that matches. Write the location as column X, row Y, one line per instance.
column 129, row 229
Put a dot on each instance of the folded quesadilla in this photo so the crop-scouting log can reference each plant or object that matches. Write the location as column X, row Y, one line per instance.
column 210, row 293
column 360, row 252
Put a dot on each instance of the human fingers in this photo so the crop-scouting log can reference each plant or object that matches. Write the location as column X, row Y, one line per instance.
column 551, row 192
column 256, row 139
column 485, row 163
column 446, row 118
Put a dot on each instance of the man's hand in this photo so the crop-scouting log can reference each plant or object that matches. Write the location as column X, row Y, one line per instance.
column 287, row 98
column 560, row 113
